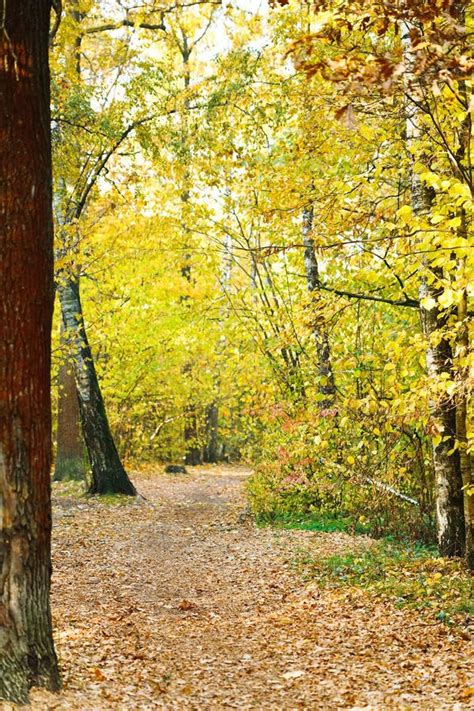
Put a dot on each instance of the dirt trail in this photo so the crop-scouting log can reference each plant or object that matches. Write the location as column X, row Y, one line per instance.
column 174, row 603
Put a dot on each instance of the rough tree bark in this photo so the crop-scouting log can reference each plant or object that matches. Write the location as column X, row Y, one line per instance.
column 326, row 384
column 27, row 655
column 71, row 461
column 108, row 473
column 439, row 352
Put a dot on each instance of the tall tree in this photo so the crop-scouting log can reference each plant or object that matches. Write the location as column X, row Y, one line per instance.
column 435, row 322
column 108, row 472
column 27, row 655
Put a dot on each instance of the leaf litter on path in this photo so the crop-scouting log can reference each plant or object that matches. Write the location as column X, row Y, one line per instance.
column 174, row 603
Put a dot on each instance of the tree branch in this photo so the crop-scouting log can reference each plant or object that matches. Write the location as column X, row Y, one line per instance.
column 147, row 25
column 58, row 9
column 390, row 490
column 408, row 303
column 124, row 23
column 101, row 163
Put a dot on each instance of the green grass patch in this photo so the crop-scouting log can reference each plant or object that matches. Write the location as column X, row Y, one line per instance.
column 69, row 489
column 310, row 522
column 408, row 575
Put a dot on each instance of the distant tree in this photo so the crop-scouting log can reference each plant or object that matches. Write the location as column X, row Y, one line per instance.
column 71, row 458
column 27, row 656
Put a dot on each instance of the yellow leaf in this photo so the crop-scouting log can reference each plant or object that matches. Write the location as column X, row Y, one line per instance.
column 405, row 212
column 446, row 299
column 428, row 303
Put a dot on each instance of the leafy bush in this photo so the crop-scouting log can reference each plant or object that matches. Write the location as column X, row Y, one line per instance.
column 365, row 470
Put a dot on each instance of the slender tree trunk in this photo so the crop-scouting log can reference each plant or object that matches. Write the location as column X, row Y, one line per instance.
column 467, row 470
column 326, row 384
column 193, row 455
column 463, row 340
column 71, row 462
column 27, row 654
column 108, row 473
column 439, row 353
column 211, row 450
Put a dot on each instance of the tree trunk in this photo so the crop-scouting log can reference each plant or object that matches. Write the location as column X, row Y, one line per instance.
column 439, row 353
column 71, row 461
column 27, row 655
column 193, row 456
column 467, row 471
column 108, row 473
column 211, row 450
column 326, row 384
column 446, row 459
column 463, row 339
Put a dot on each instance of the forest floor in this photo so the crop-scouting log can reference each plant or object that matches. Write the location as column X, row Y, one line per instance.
column 181, row 602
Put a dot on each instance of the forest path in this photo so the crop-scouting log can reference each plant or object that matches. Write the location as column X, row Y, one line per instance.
column 174, row 603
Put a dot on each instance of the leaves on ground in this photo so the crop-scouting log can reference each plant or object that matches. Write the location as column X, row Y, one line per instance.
column 172, row 603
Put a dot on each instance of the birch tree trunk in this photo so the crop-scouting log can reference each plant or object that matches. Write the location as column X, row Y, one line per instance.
column 446, row 458
column 326, row 384
column 108, row 473
column 27, row 655
column 439, row 352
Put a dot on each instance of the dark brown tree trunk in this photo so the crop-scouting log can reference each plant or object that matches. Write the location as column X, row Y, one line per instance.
column 71, row 458
column 326, row 384
column 27, row 656
column 211, row 450
column 108, row 473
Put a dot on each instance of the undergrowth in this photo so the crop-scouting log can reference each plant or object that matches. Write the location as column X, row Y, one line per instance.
column 408, row 575
column 310, row 522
